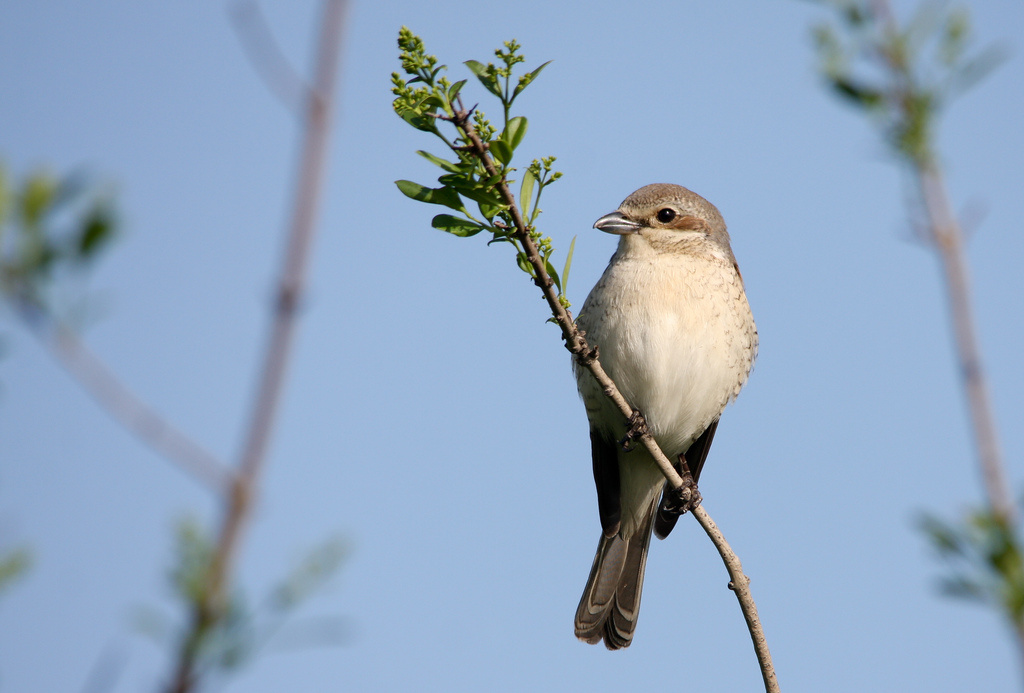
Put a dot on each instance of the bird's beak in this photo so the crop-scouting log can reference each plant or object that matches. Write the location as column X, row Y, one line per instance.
column 616, row 222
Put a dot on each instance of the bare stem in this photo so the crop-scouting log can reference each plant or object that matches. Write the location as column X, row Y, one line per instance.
column 587, row 357
column 740, row 584
column 944, row 233
column 947, row 238
column 210, row 608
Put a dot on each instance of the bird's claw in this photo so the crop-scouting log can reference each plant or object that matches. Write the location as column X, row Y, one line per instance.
column 637, row 429
column 679, row 501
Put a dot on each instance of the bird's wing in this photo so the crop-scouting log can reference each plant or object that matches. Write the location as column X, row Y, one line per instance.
column 695, row 456
column 606, row 477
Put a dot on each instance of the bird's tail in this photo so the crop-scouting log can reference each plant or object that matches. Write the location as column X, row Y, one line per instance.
column 611, row 600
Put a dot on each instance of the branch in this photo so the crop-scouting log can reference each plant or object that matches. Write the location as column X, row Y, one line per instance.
column 740, row 584
column 266, row 57
column 107, row 390
column 211, row 605
column 947, row 239
column 587, row 357
column 907, row 96
column 943, row 232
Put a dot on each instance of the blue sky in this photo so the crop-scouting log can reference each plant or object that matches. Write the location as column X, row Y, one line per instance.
column 431, row 418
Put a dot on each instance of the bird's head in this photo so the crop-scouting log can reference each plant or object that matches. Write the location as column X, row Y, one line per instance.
column 668, row 218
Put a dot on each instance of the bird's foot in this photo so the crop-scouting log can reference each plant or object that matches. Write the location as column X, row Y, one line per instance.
column 637, row 429
column 679, row 501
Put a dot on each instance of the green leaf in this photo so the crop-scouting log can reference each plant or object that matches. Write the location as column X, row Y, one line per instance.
column 859, row 94
column 194, row 553
column 526, row 192
column 499, row 239
column 524, row 264
column 486, row 76
column 490, row 209
column 475, row 190
column 436, row 102
column 972, row 71
column 944, row 537
column 500, row 150
column 96, row 231
column 14, row 564
column 963, row 588
column 476, row 67
column 37, row 197
column 453, row 90
column 5, row 194
column 435, row 196
column 309, row 575
column 418, row 120
column 554, row 275
column 438, row 161
column 492, row 180
column 456, row 226
column 568, row 265
column 525, row 80
column 481, row 195
column 514, row 131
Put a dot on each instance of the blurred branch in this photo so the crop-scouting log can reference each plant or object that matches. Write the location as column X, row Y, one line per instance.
column 947, row 239
column 905, row 100
column 211, row 604
column 945, row 235
column 266, row 57
column 58, row 227
column 421, row 109
column 122, row 404
column 879, row 67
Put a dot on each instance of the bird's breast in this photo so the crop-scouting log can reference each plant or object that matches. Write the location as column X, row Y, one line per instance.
column 677, row 337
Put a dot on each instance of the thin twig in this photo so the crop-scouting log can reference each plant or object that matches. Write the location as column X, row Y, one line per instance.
column 114, row 397
column 238, row 504
column 947, row 238
column 587, row 357
column 740, row 584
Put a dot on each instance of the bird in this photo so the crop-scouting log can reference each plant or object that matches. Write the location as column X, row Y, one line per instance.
column 674, row 331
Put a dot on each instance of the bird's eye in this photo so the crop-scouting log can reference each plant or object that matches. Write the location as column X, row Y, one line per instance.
column 666, row 215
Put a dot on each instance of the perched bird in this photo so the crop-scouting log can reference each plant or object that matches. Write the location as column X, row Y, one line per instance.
column 674, row 331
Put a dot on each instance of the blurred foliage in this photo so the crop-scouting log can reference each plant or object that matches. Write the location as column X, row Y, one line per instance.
column 902, row 77
column 49, row 226
column 13, row 565
column 242, row 630
column 427, row 100
column 984, row 560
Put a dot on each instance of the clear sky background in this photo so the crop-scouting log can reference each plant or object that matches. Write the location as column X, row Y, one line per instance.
column 431, row 418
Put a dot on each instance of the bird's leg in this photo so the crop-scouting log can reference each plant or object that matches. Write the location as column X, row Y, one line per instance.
column 637, row 428
column 679, row 501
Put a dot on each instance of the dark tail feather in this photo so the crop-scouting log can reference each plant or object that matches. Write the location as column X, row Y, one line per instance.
column 611, row 600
